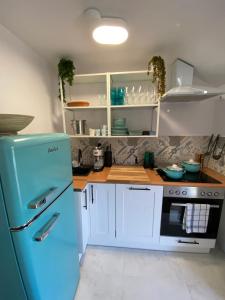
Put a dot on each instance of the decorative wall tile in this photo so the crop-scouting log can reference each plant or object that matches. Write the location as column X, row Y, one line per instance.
column 168, row 150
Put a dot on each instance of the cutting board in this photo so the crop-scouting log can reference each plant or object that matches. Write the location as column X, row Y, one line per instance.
column 128, row 174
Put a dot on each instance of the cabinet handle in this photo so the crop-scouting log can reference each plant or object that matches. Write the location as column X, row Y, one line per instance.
column 92, row 194
column 138, row 189
column 185, row 242
column 85, row 206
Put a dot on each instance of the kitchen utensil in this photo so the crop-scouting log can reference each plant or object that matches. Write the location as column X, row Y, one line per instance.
column 120, row 95
column 135, row 132
column 218, row 155
column 81, row 171
column 108, row 156
column 119, row 122
column 191, row 166
column 104, row 130
column 80, row 158
column 174, row 167
column 75, row 164
column 76, row 103
column 91, row 131
column 113, row 95
column 149, row 160
column 174, row 173
column 211, row 145
column 98, row 153
column 200, row 158
column 97, row 132
column 117, row 95
column 11, row 123
column 79, row 126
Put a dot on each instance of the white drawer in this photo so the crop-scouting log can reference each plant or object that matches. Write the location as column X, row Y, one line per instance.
column 187, row 242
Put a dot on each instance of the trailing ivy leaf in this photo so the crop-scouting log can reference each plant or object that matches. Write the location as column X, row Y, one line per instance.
column 66, row 72
column 159, row 73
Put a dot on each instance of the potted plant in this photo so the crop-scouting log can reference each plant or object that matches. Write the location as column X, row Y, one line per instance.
column 66, row 72
column 157, row 66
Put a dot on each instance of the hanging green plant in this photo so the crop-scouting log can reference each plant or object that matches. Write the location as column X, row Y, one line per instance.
column 66, row 72
column 157, row 65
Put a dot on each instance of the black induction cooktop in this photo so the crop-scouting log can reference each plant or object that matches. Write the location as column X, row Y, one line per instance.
column 189, row 177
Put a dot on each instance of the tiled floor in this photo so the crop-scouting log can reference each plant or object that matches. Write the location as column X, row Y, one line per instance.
column 125, row 274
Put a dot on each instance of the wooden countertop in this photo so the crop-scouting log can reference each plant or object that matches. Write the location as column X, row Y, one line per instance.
column 79, row 182
column 139, row 175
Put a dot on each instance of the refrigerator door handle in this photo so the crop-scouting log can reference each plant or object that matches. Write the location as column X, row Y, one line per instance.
column 42, row 234
column 41, row 200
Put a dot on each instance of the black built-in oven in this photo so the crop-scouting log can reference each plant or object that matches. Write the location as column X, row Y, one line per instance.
column 175, row 200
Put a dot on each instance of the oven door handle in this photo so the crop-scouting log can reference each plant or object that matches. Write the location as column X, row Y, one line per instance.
column 186, row 242
column 184, row 205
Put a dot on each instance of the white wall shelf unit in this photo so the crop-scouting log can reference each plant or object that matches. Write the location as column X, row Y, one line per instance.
column 85, row 107
column 139, row 101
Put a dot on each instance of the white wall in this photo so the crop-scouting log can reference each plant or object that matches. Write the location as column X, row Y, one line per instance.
column 219, row 120
column 25, row 83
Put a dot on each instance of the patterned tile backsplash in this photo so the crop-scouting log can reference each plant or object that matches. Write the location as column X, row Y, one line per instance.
column 168, row 150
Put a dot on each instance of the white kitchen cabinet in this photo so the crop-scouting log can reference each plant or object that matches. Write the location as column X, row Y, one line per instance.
column 82, row 200
column 102, row 213
column 138, row 215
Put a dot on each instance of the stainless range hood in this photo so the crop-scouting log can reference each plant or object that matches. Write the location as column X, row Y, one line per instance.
column 183, row 90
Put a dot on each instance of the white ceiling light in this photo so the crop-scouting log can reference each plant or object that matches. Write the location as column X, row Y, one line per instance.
column 108, row 30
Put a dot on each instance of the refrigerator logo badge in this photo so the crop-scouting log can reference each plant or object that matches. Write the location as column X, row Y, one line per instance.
column 52, row 149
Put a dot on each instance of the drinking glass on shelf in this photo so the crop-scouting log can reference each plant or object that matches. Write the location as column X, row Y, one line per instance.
column 113, row 95
column 120, row 95
column 132, row 96
column 154, row 99
column 126, row 96
column 147, row 97
column 101, row 99
column 141, row 99
column 104, row 130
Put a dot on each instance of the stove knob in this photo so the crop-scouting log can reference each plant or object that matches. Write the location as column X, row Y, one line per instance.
column 171, row 192
column 216, row 194
column 202, row 193
column 209, row 193
column 184, row 193
column 177, row 192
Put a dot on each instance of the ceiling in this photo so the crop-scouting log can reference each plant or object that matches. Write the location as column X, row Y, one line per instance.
column 189, row 29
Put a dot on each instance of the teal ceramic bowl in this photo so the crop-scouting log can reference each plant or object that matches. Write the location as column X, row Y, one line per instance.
column 174, row 174
column 191, row 167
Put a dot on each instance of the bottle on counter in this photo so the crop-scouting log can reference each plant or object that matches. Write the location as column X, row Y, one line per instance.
column 108, row 156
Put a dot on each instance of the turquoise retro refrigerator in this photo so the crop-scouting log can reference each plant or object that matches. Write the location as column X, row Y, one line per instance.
column 38, row 237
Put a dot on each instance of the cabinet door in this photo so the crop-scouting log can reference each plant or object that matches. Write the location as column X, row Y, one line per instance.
column 85, row 217
column 102, row 213
column 137, row 214
column 82, row 201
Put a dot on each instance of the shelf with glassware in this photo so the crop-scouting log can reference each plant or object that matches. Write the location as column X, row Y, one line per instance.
column 138, row 97
column 133, row 95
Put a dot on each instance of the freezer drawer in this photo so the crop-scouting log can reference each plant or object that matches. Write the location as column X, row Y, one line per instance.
column 47, row 252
